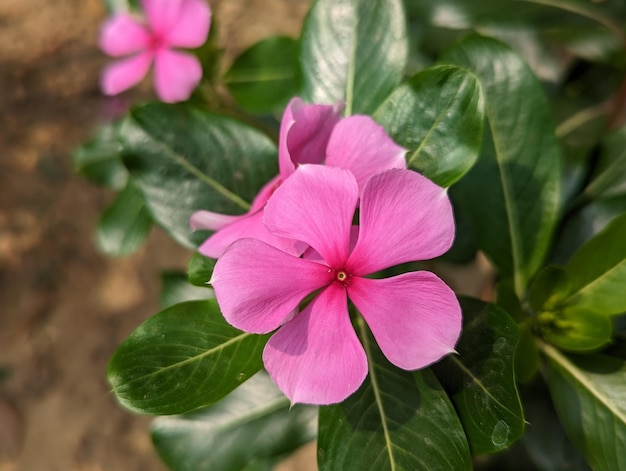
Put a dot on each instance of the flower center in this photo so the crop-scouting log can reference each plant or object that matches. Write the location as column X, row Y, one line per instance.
column 342, row 277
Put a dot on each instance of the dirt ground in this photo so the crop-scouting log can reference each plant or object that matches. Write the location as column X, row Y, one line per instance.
column 64, row 307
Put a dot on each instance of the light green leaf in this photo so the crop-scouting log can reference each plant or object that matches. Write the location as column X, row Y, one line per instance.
column 589, row 394
column 252, row 426
column 200, row 269
column 576, row 329
column 353, row 51
column 513, row 191
column 438, row 117
column 176, row 288
column 125, row 225
column 184, row 159
column 481, row 378
column 397, row 420
column 610, row 175
column 183, row 358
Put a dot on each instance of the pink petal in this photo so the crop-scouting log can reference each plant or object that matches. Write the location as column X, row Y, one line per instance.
column 404, row 217
column 192, row 26
column 362, row 146
column 208, row 220
column 316, row 358
column 176, row 74
column 315, row 206
column 258, row 286
column 247, row 226
column 304, row 133
column 415, row 317
column 122, row 35
column 124, row 73
column 162, row 14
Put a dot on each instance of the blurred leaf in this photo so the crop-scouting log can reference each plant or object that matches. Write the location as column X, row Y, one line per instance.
column 176, row 288
column 481, row 379
column 396, row 420
column 200, row 269
column 513, row 191
column 263, row 78
column 575, row 329
column 610, row 174
column 589, row 394
column 438, row 117
column 184, row 159
column 183, row 358
column 527, row 361
column 251, row 426
column 597, row 271
column 125, row 225
column 548, row 288
column 353, row 51
column 99, row 159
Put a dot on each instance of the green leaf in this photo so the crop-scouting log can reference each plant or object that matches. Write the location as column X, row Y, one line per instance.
column 397, row 420
column 263, row 78
column 548, row 288
column 175, row 288
column 184, row 159
column 353, row 51
column 99, row 159
column 438, row 117
column 200, row 269
column 513, row 191
column 481, row 379
column 183, row 358
column 575, row 329
column 251, row 426
column 125, row 225
column 589, row 394
column 597, row 271
column 610, row 174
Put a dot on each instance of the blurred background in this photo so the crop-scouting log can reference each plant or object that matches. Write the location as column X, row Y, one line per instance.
column 64, row 308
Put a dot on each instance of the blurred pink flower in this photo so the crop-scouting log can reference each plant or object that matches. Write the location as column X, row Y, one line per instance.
column 308, row 134
column 168, row 24
column 315, row 356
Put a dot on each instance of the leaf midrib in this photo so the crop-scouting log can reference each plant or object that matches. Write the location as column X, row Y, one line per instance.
column 586, row 287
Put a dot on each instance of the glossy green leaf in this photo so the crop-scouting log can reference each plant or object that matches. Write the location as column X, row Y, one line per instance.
column 575, row 329
column 99, row 159
column 513, row 191
column 183, row 358
column 263, row 78
column 481, row 379
column 184, row 159
column 125, row 225
column 597, row 271
column 396, row 420
column 176, row 288
column 200, row 269
column 438, row 117
column 589, row 394
column 353, row 51
column 252, row 425
column 610, row 174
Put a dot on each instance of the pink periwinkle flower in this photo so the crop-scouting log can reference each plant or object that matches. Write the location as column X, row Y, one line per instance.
column 169, row 24
column 315, row 356
column 309, row 134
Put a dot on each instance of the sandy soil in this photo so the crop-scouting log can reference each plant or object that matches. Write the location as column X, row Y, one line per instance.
column 63, row 307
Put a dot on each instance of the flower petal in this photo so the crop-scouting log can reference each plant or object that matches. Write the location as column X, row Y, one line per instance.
column 304, row 133
column 404, row 217
column 362, row 146
column 247, row 226
column 176, row 74
column 124, row 73
column 162, row 14
column 192, row 26
column 315, row 206
column 258, row 286
column 415, row 317
column 316, row 358
column 122, row 35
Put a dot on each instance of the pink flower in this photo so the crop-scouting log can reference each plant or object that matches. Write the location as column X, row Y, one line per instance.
column 169, row 24
column 315, row 356
column 308, row 134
